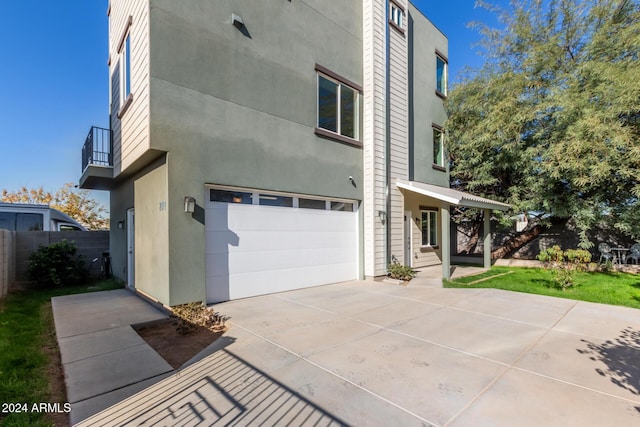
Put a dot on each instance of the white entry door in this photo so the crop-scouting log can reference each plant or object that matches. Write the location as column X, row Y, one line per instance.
column 254, row 249
column 131, row 248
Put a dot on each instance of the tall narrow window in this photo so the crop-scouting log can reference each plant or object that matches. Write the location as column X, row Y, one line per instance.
column 438, row 146
column 441, row 75
column 127, row 66
column 429, row 227
column 125, row 70
column 337, row 107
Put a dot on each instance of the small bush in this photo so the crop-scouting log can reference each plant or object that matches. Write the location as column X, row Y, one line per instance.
column 400, row 272
column 56, row 265
column 193, row 315
column 564, row 264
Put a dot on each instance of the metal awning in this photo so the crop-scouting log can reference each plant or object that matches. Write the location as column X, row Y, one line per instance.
column 453, row 197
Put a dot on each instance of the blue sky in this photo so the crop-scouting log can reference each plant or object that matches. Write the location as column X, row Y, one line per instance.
column 55, row 81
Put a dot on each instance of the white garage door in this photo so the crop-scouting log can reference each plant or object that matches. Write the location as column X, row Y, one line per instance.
column 259, row 243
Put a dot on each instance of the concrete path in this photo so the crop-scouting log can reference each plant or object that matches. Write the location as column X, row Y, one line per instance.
column 369, row 354
column 104, row 359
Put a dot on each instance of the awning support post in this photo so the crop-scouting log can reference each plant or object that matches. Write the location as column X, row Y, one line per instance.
column 445, row 244
column 486, row 238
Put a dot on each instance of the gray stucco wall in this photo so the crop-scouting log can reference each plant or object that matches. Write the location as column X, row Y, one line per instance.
column 246, row 106
column 240, row 109
column 425, row 106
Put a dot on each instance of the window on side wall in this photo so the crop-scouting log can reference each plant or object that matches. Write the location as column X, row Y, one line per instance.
column 396, row 14
column 429, row 227
column 124, row 67
column 338, row 111
column 441, row 75
column 438, row 146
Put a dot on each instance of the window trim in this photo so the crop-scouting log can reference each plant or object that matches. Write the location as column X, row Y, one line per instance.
column 441, row 56
column 340, row 81
column 401, row 10
column 427, row 209
column 124, row 58
column 436, row 165
column 256, row 193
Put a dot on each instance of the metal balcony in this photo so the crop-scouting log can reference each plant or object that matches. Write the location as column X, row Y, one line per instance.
column 97, row 159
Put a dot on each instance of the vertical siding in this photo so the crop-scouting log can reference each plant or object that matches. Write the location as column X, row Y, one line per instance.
column 398, row 130
column 374, row 129
column 131, row 132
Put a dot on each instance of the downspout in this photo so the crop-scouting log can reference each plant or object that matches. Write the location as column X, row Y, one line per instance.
column 387, row 154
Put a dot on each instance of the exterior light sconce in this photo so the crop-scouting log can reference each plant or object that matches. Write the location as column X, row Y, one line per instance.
column 121, row 225
column 189, row 204
column 237, row 21
column 383, row 216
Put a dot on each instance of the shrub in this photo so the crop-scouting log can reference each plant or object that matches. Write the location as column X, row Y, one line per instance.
column 564, row 264
column 193, row 315
column 400, row 272
column 56, row 265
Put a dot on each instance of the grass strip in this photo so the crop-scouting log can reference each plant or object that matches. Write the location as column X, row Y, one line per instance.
column 29, row 351
column 613, row 288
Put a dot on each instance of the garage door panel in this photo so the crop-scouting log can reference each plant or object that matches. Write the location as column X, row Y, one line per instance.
column 277, row 240
column 254, row 250
column 283, row 259
column 243, row 285
column 240, row 217
column 257, row 261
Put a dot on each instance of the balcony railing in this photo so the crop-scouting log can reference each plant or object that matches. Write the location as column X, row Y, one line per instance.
column 97, row 148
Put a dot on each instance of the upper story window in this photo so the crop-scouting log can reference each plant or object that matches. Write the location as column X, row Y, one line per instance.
column 438, row 146
column 396, row 14
column 338, row 111
column 124, row 66
column 441, row 75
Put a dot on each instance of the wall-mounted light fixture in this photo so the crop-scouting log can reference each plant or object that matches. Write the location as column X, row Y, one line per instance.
column 383, row 216
column 120, row 225
column 189, row 204
column 237, row 21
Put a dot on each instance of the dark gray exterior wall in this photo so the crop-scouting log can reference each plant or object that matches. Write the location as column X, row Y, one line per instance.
column 239, row 109
column 425, row 107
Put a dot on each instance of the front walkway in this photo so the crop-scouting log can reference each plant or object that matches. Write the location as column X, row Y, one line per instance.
column 367, row 353
column 103, row 358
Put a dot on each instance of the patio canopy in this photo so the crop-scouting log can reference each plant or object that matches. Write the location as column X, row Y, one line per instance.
column 453, row 197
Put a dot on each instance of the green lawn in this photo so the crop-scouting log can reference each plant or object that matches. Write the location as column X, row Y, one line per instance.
column 606, row 288
column 27, row 341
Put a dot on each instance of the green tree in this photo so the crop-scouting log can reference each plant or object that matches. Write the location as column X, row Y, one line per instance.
column 78, row 204
column 550, row 123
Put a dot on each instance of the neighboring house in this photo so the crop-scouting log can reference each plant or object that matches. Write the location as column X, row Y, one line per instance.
column 259, row 146
column 30, row 217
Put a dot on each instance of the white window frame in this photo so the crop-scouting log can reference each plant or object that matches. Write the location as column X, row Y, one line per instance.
column 396, row 15
column 429, row 243
column 356, row 107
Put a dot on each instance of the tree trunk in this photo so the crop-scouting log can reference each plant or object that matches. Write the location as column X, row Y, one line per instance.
column 518, row 241
column 474, row 236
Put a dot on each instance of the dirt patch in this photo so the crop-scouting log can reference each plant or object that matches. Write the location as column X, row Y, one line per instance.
column 175, row 348
column 55, row 373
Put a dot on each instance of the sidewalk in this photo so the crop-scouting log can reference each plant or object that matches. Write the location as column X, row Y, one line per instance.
column 98, row 345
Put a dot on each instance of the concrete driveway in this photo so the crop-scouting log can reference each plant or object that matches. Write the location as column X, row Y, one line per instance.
column 371, row 354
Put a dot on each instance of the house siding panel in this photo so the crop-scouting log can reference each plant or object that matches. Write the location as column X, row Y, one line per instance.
column 398, row 122
column 131, row 130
